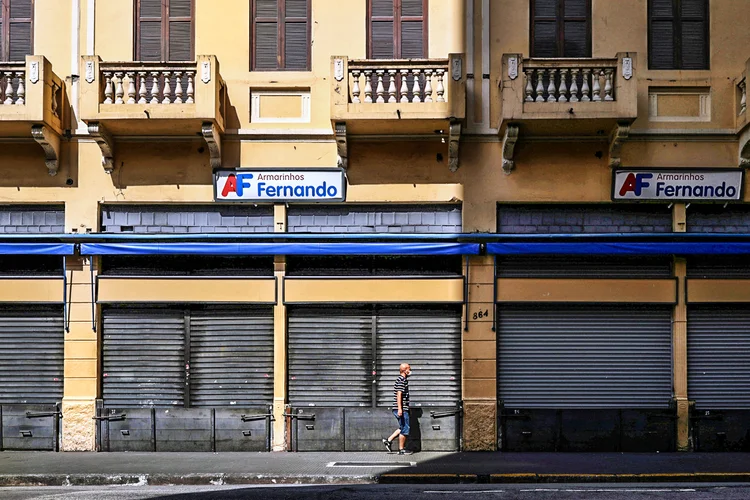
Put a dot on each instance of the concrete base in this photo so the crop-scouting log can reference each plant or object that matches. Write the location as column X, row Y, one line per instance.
column 78, row 426
column 480, row 426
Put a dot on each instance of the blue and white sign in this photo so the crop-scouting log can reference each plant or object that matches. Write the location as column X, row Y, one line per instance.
column 287, row 185
column 674, row 185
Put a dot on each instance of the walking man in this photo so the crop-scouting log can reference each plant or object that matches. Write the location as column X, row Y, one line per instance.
column 400, row 409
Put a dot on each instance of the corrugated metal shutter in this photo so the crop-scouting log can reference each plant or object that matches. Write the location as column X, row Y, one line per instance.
column 724, row 267
column 330, row 357
column 719, row 356
column 143, row 357
column 31, row 355
column 429, row 339
column 584, row 356
column 540, row 266
column 231, row 357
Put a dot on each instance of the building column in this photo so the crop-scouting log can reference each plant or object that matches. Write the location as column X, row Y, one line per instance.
column 679, row 339
column 479, row 359
column 279, row 342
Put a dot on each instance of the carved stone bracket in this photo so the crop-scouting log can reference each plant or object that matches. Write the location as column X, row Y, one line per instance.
column 617, row 137
column 341, row 145
column 744, row 148
column 509, row 145
column 50, row 143
column 106, row 144
column 213, row 140
column 454, row 141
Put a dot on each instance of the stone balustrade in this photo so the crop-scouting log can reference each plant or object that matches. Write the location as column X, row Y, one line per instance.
column 570, row 81
column 12, row 84
column 398, row 81
column 147, row 83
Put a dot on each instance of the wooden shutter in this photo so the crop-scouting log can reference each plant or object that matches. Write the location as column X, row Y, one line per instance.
column 16, row 29
column 397, row 29
column 281, row 35
column 561, row 28
column 164, row 30
column 678, row 34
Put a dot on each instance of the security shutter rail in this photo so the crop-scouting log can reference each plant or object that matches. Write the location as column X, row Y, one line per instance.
column 719, row 356
column 587, row 356
column 330, row 356
column 540, row 266
column 231, row 357
column 429, row 339
column 727, row 267
column 31, row 355
column 143, row 358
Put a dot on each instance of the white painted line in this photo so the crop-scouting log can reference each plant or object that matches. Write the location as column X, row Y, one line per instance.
column 615, row 490
column 473, row 492
column 373, row 465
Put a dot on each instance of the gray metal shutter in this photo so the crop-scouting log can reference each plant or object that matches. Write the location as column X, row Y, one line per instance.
column 330, row 357
column 719, row 356
column 231, row 356
column 143, row 357
column 584, row 356
column 429, row 339
column 541, row 266
column 31, row 355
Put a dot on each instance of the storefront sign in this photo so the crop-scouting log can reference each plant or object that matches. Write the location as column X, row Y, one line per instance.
column 675, row 185
column 287, row 185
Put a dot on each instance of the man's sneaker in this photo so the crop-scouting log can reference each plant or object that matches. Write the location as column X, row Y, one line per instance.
column 404, row 452
column 387, row 444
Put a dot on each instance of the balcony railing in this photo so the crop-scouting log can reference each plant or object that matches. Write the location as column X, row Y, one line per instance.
column 576, row 81
column 393, row 81
column 148, row 83
column 12, row 85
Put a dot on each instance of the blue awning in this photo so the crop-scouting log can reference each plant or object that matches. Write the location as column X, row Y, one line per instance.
column 612, row 248
column 36, row 249
column 279, row 249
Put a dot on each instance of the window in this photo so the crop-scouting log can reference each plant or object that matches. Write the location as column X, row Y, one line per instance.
column 16, row 29
column 560, row 28
column 281, row 35
column 164, row 30
column 397, row 29
column 678, row 34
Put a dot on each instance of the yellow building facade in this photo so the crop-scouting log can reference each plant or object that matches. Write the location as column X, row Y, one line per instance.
column 540, row 204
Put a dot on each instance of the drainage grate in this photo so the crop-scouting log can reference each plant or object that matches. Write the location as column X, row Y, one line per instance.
column 371, row 464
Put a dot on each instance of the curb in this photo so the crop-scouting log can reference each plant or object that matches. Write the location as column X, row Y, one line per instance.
column 679, row 477
column 197, row 479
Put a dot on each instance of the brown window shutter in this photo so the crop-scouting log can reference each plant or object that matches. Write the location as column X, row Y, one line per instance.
column 266, row 35
column 412, row 24
column 678, row 34
column 576, row 28
column 661, row 34
column 180, row 35
column 18, row 20
column 150, row 31
column 165, row 30
column 383, row 29
column 561, row 28
column 296, row 28
column 694, row 29
column 544, row 42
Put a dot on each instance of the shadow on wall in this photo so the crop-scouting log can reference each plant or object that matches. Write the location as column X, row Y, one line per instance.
column 400, row 162
column 22, row 165
column 161, row 163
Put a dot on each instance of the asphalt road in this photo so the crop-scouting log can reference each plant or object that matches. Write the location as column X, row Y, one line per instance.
column 372, row 492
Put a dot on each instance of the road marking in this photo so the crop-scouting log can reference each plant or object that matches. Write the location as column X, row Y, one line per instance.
column 453, row 492
column 615, row 490
column 371, row 464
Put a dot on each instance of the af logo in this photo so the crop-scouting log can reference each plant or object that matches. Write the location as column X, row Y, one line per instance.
column 635, row 183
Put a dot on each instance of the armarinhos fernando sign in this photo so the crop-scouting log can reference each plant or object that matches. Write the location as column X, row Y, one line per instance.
column 276, row 184
column 675, row 185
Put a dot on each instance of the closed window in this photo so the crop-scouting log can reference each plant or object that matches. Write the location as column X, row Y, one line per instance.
column 164, row 30
column 678, row 34
column 560, row 28
column 397, row 29
column 16, row 29
column 281, row 35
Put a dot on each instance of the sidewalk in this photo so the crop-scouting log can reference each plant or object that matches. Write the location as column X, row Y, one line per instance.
column 44, row 468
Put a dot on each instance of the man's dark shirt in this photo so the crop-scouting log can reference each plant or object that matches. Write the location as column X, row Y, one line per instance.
column 401, row 385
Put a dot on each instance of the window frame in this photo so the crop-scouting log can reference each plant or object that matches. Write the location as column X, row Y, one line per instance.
column 397, row 18
column 5, row 19
column 280, row 21
column 164, row 19
column 560, row 29
column 676, row 20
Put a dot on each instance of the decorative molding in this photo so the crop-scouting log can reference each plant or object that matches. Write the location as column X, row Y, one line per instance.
column 89, row 72
column 342, row 147
column 256, row 95
column 106, row 144
column 702, row 95
column 456, row 67
column 745, row 149
column 617, row 137
column 627, row 68
column 509, row 146
column 50, row 143
column 213, row 140
column 454, row 140
column 513, row 67
column 34, row 71
column 206, row 71
column 338, row 69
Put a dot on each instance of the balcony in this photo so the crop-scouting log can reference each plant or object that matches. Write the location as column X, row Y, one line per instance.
column 743, row 120
column 31, row 105
column 163, row 99
column 409, row 97
column 568, row 98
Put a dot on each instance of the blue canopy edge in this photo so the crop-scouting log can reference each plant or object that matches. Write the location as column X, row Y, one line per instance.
column 37, row 249
column 615, row 248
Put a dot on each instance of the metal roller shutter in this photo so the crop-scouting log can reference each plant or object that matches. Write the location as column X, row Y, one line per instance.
column 584, row 356
column 31, row 355
column 330, row 357
column 541, row 266
column 231, row 357
column 719, row 356
column 429, row 339
column 143, row 357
